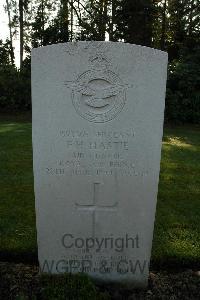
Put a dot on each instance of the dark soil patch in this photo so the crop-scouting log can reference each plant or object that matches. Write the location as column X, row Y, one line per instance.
column 22, row 282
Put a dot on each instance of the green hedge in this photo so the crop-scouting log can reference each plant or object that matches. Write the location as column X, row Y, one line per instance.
column 15, row 88
column 183, row 89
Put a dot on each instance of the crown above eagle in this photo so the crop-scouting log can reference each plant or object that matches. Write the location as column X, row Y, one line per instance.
column 99, row 60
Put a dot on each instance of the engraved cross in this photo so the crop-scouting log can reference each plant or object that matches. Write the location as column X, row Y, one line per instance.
column 94, row 207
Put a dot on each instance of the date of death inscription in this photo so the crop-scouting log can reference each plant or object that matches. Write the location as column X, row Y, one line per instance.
column 100, row 153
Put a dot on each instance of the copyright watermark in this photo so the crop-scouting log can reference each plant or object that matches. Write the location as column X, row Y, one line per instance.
column 118, row 244
column 104, row 266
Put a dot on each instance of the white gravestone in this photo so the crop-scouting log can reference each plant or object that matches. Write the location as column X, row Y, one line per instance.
column 97, row 130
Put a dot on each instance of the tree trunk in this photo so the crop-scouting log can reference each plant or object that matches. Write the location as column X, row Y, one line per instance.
column 163, row 30
column 65, row 20
column 10, row 30
column 190, row 18
column 103, row 19
column 21, row 25
column 42, row 37
column 71, row 20
column 105, row 16
column 113, row 22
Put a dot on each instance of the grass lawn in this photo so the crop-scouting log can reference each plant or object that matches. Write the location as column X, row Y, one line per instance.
column 17, row 216
column 177, row 229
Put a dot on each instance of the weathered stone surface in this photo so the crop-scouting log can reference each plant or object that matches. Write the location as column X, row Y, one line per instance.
column 97, row 130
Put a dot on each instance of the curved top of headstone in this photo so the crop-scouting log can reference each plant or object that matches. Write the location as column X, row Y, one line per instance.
column 73, row 47
column 100, row 81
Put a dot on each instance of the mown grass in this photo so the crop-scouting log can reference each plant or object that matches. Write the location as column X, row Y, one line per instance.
column 17, row 215
column 177, row 228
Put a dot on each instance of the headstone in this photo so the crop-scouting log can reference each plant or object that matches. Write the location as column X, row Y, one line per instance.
column 97, row 130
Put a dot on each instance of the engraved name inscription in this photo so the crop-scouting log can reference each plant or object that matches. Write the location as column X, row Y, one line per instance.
column 101, row 153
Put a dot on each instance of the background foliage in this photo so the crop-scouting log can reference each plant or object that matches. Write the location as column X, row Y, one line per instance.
column 169, row 25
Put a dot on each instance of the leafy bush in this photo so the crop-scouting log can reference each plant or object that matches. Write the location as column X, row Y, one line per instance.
column 183, row 89
column 15, row 87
